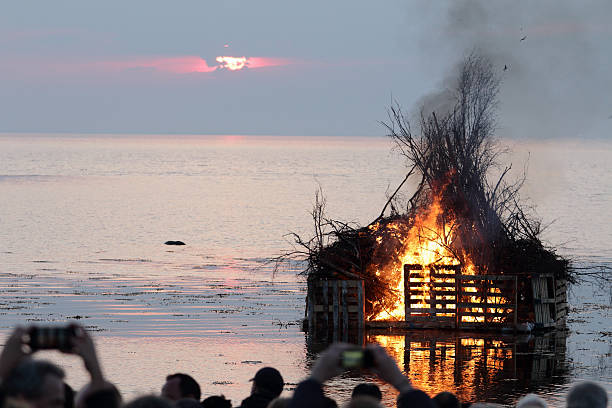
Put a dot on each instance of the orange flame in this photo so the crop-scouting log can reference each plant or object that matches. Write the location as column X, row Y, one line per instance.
column 426, row 243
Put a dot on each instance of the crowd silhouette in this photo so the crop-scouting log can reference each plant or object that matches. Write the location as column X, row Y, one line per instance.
column 26, row 382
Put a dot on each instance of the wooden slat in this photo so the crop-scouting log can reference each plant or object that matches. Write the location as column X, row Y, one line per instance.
column 484, row 277
column 430, row 318
column 326, row 303
column 330, row 309
column 335, row 308
column 361, row 305
column 345, row 313
column 489, row 305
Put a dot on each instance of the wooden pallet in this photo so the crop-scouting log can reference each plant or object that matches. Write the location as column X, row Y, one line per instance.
column 442, row 297
column 335, row 307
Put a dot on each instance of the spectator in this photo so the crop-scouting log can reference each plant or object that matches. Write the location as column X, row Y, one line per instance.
column 149, row 401
column 279, row 402
column 267, row 385
column 368, row 389
column 179, row 386
column 216, row 401
column 587, row 394
column 40, row 383
column 309, row 393
column 328, row 403
column 37, row 382
column 363, row 401
column 187, row 403
column 531, row 401
column 447, row 400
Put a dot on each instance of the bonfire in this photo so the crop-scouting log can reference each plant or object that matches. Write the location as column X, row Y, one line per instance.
column 464, row 215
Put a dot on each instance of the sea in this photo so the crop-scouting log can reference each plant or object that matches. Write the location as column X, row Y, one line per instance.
column 84, row 219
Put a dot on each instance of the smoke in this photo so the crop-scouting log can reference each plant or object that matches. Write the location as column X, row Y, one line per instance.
column 554, row 59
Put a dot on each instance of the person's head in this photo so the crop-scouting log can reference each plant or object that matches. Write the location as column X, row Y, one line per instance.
column 363, row 401
column 100, row 396
column 149, row 401
column 587, row 394
column 329, row 402
column 279, row 402
column 216, row 401
column 38, row 382
column 179, row 386
column 531, row 401
column 369, row 389
column 268, row 380
column 446, row 400
column 187, row 403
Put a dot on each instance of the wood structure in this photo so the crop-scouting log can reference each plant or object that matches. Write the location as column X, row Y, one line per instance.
column 336, row 308
column 442, row 297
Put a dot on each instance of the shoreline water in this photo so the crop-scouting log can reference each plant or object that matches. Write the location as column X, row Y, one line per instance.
column 84, row 225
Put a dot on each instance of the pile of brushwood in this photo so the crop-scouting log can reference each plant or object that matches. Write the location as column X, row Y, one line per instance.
column 454, row 159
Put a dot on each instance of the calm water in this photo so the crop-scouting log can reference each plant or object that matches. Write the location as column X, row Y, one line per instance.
column 83, row 221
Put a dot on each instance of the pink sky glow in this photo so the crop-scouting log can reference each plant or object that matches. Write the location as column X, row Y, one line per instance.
column 174, row 65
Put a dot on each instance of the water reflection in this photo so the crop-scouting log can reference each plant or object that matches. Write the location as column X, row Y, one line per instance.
column 476, row 366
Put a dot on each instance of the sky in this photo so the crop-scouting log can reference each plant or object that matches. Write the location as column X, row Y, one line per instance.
column 320, row 68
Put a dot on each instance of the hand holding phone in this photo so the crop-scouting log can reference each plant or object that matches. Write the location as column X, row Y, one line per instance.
column 51, row 338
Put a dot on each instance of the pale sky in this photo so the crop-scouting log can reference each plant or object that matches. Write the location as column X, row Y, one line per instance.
column 313, row 68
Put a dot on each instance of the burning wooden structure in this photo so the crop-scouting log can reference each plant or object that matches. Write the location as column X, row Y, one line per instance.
column 441, row 298
column 459, row 252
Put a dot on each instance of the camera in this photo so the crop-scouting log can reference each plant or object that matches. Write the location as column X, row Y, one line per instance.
column 50, row 337
column 358, row 358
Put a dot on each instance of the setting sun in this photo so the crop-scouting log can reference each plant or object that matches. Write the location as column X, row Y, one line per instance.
column 232, row 63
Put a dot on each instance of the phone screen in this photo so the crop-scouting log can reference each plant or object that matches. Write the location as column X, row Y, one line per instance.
column 352, row 359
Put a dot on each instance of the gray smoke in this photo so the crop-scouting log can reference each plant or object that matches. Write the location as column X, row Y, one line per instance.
column 554, row 58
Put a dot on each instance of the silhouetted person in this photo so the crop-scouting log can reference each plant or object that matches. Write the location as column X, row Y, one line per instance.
column 216, row 401
column 447, row 400
column 187, row 403
column 363, row 401
column 38, row 383
column 587, row 394
column 328, row 402
column 179, row 386
column 531, row 401
column 279, row 402
column 267, row 385
column 368, row 389
column 149, row 401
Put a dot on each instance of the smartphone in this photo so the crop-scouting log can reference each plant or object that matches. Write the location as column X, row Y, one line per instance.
column 51, row 337
column 358, row 358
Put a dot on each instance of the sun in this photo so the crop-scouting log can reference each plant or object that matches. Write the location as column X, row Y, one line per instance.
column 232, row 63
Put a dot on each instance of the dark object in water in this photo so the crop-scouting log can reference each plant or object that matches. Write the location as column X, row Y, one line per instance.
column 174, row 243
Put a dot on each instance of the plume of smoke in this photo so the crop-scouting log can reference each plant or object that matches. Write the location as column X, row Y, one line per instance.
column 554, row 59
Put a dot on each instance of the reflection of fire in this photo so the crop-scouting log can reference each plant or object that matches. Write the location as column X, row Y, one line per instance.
column 450, row 363
column 426, row 244
column 232, row 63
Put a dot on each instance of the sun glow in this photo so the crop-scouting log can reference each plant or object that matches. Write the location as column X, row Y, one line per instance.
column 232, row 63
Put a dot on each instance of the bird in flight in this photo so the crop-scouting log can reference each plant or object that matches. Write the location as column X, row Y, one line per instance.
column 524, row 38
column 505, row 67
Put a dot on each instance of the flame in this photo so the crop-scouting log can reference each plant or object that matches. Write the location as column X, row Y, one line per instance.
column 425, row 243
column 232, row 63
